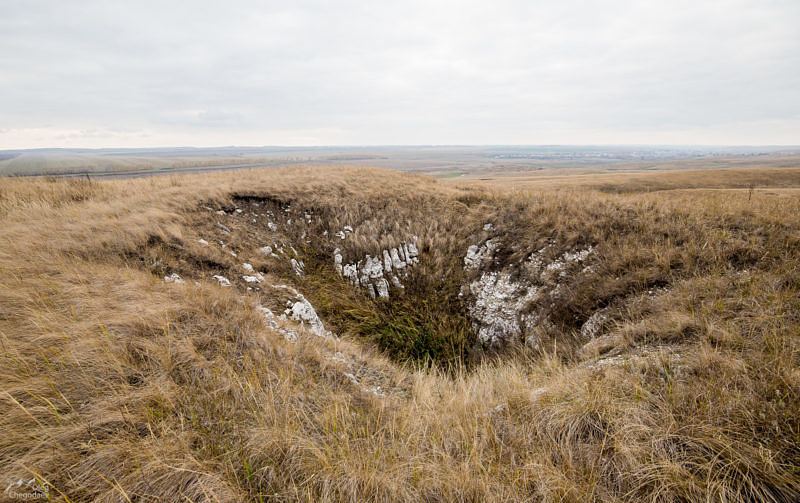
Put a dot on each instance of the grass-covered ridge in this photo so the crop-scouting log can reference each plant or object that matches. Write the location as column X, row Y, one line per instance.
column 118, row 386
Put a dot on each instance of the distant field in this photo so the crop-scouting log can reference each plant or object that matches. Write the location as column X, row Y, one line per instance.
column 649, row 181
column 452, row 174
column 485, row 162
column 40, row 164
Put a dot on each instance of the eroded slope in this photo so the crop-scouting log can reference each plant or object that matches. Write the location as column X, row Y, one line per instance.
column 666, row 325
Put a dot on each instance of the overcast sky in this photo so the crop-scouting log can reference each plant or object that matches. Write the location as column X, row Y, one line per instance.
column 141, row 73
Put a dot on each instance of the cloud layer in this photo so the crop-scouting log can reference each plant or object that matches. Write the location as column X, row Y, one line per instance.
column 316, row 72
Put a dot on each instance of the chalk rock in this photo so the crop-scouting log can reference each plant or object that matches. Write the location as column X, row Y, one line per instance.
column 397, row 262
column 376, row 274
column 304, row 312
column 411, row 252
column 396, row 282
column 498, row 303
column 383, row 288
column 350, row 271
column 269, row 320
column 592, row 326
column 337, row 260
column 503, row 309
column 478, row 256
column 301, row 310
column 387, row 261
column 223, row 281
column 373, row 268
column 565, row 259
column 298, row 267
column 407, row 255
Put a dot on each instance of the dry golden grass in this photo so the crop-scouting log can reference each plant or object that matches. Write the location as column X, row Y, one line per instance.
column 116, row 386
column 645, row 181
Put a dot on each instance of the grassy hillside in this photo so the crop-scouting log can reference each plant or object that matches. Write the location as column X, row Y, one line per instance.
column 661, row 364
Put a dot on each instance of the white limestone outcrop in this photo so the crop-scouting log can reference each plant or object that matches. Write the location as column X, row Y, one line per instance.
column 479, row 256
column 377, row 274
column 506, row 305
column 497, row 305
column 300, row 309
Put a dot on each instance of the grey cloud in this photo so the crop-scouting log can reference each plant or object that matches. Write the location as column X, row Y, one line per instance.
column 399, row 72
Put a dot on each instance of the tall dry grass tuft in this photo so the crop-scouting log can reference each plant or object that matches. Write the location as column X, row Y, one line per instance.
column 118, row 386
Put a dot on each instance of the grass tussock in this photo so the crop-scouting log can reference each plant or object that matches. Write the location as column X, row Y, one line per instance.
column 117, row 386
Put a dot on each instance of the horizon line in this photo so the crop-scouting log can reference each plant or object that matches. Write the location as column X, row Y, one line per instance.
column 415, row 145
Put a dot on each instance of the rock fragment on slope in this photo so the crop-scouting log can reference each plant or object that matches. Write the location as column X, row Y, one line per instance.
column 271, row 322
column 301, row 310
column 173, row 278
column 298, row 267
column 479, row 256
column 591, row 327
column 223, row 281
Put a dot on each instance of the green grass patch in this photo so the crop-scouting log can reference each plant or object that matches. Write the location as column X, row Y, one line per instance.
column 421, row 325
column 451, row 174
